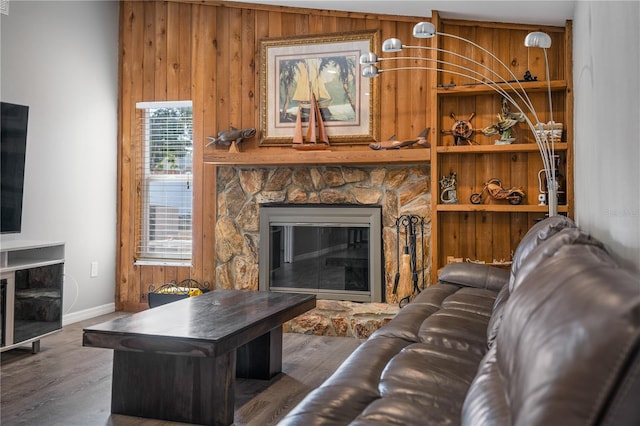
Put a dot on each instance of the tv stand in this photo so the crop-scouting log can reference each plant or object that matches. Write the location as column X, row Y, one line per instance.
column 31, row 278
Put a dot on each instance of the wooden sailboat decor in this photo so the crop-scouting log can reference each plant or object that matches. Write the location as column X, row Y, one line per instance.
column 317, row 138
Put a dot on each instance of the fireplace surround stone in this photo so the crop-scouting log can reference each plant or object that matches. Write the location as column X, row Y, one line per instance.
column 400, row 190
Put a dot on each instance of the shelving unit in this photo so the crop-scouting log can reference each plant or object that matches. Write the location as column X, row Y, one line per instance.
column 15, row 255
column 31, row 277
column 491, row 231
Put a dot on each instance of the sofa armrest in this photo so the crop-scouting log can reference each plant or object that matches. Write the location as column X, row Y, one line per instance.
column 474, row 275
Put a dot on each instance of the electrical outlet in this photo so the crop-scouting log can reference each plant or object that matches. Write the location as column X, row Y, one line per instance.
column 94, row 269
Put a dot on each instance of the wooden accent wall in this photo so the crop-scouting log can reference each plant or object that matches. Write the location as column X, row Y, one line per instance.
column 209, row 53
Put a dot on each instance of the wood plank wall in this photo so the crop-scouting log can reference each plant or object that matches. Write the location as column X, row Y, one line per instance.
column 209, row 53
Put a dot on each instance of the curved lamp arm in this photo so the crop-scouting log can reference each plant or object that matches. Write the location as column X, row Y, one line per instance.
column 371, row 70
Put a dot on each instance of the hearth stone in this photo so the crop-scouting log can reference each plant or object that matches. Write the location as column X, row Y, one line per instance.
column 343, row 319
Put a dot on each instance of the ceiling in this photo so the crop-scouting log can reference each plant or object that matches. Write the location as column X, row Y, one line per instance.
column 517, row 11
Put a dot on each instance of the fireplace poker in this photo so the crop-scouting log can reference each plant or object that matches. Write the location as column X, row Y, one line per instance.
column 396, row 280
column 414, row 220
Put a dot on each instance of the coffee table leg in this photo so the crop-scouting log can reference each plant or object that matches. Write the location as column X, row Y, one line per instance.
column 261, row 358
column 177, row 388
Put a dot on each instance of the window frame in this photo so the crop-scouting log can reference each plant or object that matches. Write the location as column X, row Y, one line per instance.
column 145, row 177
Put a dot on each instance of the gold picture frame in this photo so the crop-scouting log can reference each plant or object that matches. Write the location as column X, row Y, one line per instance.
column 327, row 65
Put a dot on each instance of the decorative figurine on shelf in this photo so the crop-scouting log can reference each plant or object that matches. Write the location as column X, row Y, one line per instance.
column 231, row 137
column 551, row 130
column 394, row 144
column 462, row 130
column 448, row 186
column 494, row 188
column 317, row 138
column 506, row 120
column 560, row 184
column 529, row 77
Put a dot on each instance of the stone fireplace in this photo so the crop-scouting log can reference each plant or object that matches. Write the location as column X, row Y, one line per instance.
column 398, row 190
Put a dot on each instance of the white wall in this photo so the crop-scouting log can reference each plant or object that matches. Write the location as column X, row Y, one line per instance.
column 61, row 59
column 606, row 76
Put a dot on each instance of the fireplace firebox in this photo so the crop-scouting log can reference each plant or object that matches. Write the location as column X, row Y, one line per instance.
column 334, row 251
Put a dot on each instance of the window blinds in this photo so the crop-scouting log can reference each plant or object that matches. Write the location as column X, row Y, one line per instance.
column 164, row 172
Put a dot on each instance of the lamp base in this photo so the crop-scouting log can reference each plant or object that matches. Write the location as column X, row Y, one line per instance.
column 552, row 199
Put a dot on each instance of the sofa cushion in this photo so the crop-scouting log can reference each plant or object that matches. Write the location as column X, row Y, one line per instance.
column 496, row 315
column 573, row 334
column 539, row 253
column 474, row 275
column 458, row 330
column 350, row 389
column 406, row 324
column 417, row 387
column 486, row 402
column 550, row 248
column 538, row 233
column 474, row 300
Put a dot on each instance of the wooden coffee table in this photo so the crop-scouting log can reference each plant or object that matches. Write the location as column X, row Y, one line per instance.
column 179, row 361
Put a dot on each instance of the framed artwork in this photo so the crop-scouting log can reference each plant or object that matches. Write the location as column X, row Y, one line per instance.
column 327, row 66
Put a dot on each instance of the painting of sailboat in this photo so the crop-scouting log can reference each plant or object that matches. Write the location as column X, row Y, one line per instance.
column 308, row 84
column 297, row 69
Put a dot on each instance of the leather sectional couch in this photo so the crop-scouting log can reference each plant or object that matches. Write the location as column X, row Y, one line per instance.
column 554, row 341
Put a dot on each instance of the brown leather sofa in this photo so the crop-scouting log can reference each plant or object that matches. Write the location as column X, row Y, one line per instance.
column 554, row 341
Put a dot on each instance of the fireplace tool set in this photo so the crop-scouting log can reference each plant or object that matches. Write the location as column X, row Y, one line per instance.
column 406, row 279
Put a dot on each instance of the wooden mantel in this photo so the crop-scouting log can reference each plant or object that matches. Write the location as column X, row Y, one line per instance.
column 291, row 157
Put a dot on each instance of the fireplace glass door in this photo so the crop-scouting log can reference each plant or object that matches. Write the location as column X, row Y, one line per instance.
column 333, row 251
column 320, row 258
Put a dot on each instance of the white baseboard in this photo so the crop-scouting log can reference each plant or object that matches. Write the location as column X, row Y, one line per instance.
column 88, row 313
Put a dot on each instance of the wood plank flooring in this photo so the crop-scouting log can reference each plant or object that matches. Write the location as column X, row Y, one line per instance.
column 67, row 384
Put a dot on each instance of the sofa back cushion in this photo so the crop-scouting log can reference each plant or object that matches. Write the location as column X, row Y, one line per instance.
column 550, row 247
column 568, row 348
column 536, row 235
column 496, row 315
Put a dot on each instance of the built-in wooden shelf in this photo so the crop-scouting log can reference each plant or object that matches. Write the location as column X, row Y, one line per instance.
column 483, row 89
column 487, row 149
column 291, row 157
column 507, row 208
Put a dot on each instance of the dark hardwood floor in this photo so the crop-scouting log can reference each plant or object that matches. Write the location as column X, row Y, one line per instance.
column 68, row 384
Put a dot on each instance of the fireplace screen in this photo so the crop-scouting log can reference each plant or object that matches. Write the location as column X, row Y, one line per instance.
column 333, row 251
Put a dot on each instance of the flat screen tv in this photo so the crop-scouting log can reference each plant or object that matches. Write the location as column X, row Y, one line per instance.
column 13, row 122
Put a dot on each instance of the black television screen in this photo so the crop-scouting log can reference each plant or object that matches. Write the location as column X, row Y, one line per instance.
column 13, row 122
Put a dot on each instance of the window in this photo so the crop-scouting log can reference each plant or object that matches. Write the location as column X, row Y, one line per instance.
column 165, row 182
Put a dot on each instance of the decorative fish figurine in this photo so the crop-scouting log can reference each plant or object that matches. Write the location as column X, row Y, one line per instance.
column 392, row 143
column 225, row 137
